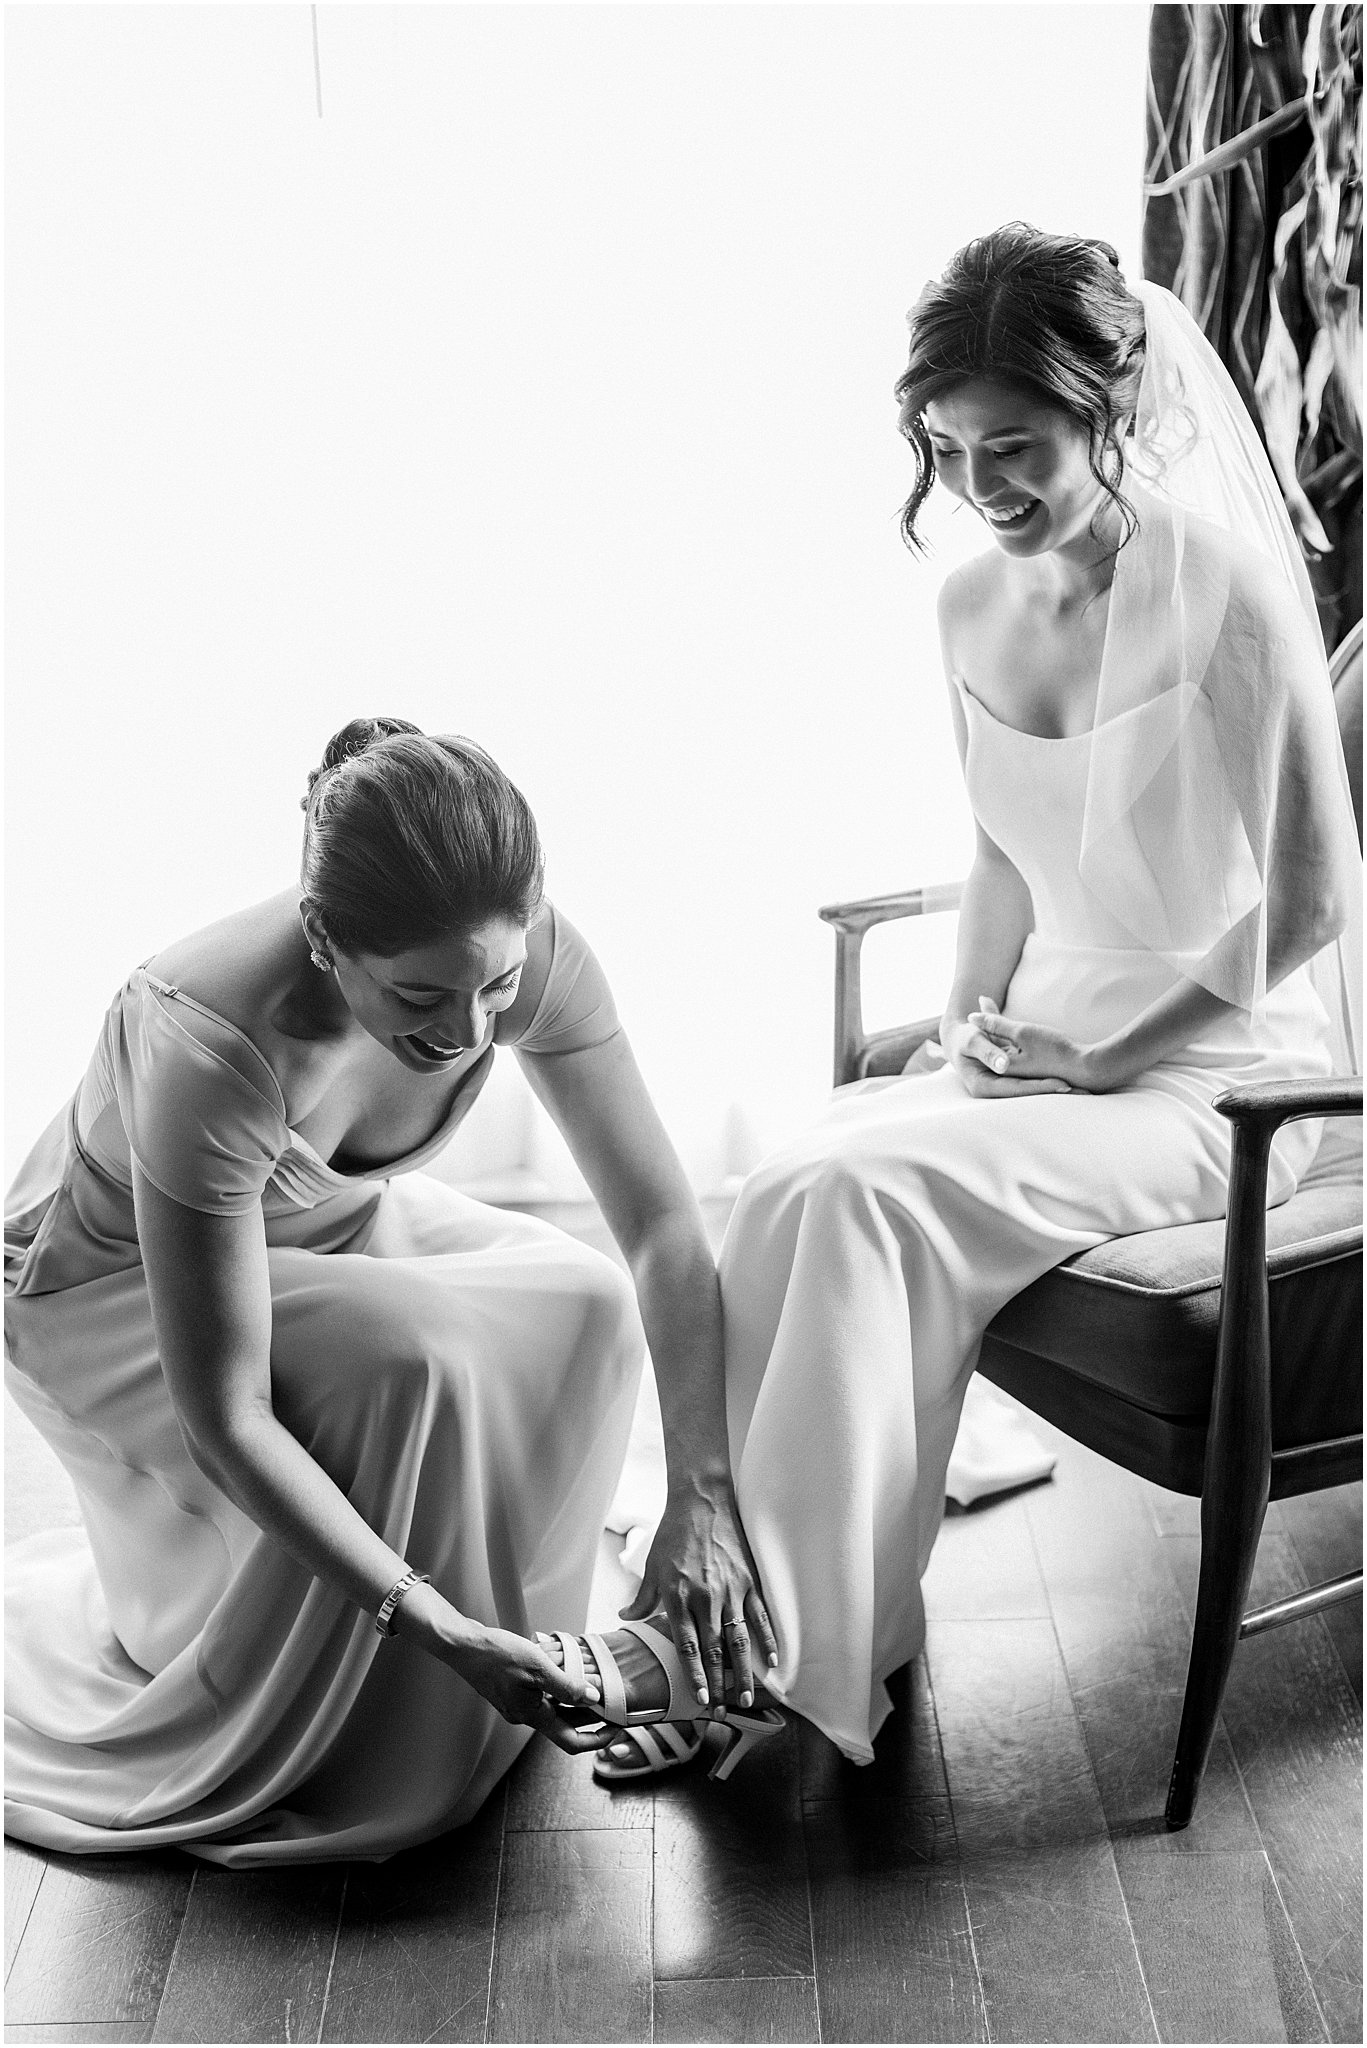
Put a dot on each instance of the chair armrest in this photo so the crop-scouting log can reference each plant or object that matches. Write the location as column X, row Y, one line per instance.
column 1268, row 1104
column 855, row 1050
column 887, row 1052
column 864, row 911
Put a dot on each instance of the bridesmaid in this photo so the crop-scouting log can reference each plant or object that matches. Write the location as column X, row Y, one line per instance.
column 310, row 1399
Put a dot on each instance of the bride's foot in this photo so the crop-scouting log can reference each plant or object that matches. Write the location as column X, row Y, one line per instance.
column 649, row 1752
column 642, row 1681
column 651, row 1694
column 644, row 1677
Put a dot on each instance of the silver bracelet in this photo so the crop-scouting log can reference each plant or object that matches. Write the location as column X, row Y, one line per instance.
column 384, row 1620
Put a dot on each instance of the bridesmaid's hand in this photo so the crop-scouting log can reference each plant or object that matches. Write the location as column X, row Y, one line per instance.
column 700, row 1571
column 989, row 1064
column 527, row 1687
column 1036, row 1052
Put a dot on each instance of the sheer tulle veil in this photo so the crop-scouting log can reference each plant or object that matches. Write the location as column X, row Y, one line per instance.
column 1225, row 818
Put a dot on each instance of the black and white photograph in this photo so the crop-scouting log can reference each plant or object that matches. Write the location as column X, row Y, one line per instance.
column 683, row 1253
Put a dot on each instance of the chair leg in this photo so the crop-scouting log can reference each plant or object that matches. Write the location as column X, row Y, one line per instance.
column 1238, row 1464
column 1229, row 1544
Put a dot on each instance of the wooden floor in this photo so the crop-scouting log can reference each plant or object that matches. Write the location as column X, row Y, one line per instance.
column 1001, row 1872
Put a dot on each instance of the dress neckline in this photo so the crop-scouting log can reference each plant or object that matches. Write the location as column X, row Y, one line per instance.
column 374, row 1171
column 1043, row 739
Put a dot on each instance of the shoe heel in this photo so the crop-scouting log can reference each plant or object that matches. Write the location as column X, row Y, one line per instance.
column 740, row 1737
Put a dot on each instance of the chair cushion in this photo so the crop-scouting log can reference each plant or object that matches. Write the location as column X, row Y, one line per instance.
column 1139, row 1315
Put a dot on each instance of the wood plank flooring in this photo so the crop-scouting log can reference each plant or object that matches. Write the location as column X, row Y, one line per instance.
column 1000, row 1872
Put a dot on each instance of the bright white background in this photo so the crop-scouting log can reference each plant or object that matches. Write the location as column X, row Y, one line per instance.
column 541, row 390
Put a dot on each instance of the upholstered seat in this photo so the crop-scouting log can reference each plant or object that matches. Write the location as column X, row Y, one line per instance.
column 1140, row 1315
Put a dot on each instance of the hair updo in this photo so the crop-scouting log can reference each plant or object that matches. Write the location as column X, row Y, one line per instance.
column 409, row 837
column 1050, row 312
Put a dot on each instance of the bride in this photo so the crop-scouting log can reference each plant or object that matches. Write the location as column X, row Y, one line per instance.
column 1165, row 862
column 311, row 1399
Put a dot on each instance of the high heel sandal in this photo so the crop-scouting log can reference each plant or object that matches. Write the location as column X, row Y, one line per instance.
column 744, row 1727
column 664, row 1746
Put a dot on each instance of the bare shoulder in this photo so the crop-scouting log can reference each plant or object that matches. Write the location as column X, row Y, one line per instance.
column 967, row 595
column 236, row 965
column 1269, row 649
column 969, row 587
column 1256, row 594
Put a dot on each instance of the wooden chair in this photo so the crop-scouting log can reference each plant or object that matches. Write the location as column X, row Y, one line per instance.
column 1222, row 1359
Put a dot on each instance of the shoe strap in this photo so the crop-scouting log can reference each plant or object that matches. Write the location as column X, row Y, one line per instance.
column 662, row 1744
column 683, row 1704
column 610, row 1680
column 573, row 1656
column 673, row 1732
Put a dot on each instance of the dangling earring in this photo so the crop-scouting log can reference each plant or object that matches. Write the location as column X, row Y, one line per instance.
column 320, row 960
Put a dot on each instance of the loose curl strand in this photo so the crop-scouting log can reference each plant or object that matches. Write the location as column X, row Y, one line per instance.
column 1050, row 312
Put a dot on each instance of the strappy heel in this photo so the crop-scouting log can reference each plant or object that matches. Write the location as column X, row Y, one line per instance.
column 744, row 1728
column 664, row 1746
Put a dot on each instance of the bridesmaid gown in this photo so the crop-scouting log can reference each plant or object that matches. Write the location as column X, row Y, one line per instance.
column 173, row 1676
column 864, row 1261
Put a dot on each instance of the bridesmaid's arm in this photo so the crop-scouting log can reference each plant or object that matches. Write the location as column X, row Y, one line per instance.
column 209, row 1286
column 699, row 1569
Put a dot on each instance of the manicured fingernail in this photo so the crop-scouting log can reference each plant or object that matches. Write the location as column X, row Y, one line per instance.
column 1000, row 1063
column 702, row 1695
column 591, row 1692
column 718, row 1713
column 773, row 1659
column 747, row 1699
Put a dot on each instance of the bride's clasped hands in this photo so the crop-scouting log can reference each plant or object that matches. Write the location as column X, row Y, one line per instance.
column 994, row 1057
column 998, row 1055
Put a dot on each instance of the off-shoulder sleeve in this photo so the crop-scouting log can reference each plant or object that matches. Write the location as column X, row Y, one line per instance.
column 576, row 1009
column 201, row 1109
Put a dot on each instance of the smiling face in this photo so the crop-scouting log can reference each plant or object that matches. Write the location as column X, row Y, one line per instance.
column 432, row 1003
column 1021, row 463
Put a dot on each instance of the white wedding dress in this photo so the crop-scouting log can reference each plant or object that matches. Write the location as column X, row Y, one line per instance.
column 864, row 1261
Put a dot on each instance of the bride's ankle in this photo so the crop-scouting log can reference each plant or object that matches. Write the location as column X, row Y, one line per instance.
column 750, row 1699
